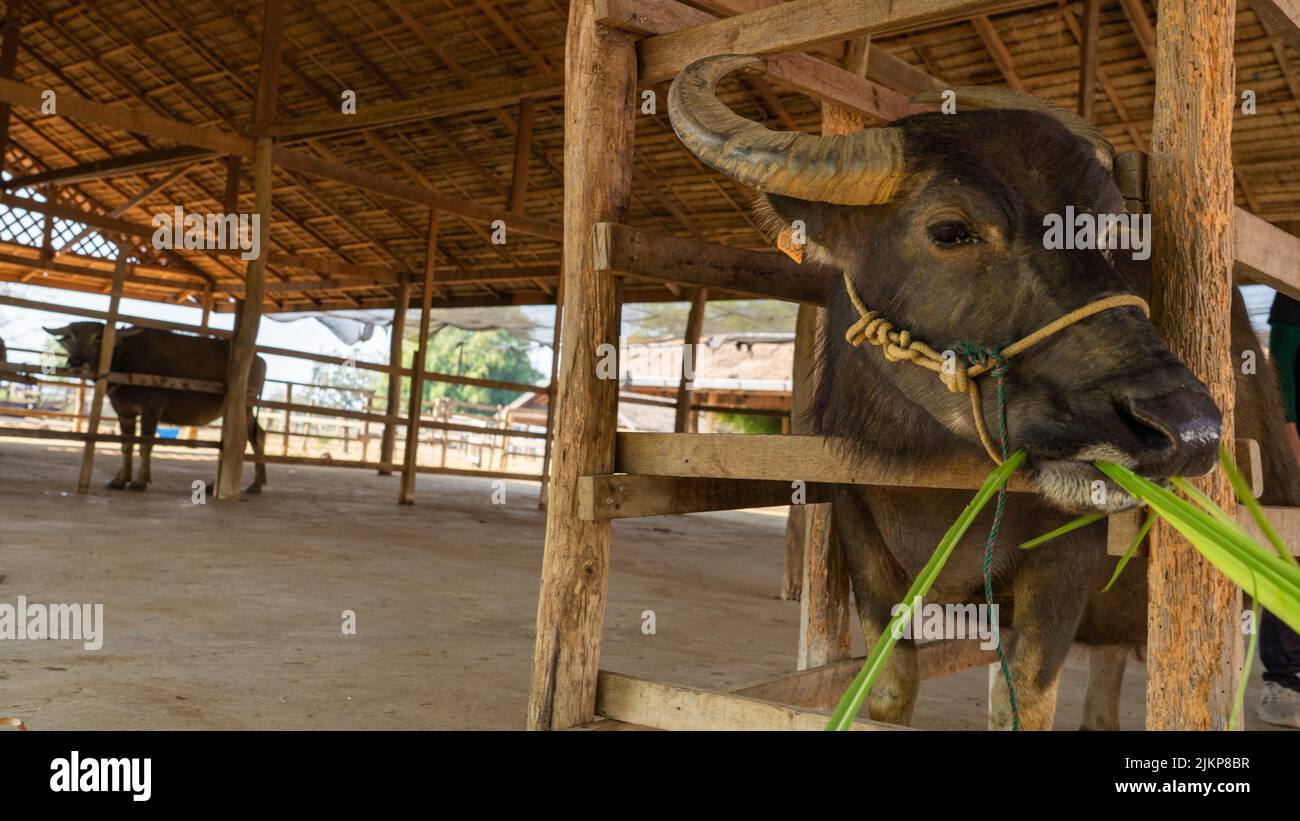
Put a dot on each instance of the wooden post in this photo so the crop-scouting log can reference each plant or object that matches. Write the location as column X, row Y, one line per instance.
column 396, row 332
column 523, row 148
column 801, row 384
column 207, row 307
column 288, row 420
column 599, row 125
column 102, row 367
column 1194, row 646
column 8, row 62
column 552, row 389
column 824, row 634
column 690, row 341
column 407, row 493
column 1090, row 34
column 81, row 406
column 243, row 345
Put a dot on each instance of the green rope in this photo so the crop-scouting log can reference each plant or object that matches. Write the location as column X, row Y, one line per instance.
column 998, row 365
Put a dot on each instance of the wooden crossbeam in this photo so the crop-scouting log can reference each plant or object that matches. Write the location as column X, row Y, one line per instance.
column 1266, row 254
column 115, row 166
column 820, row 688
column 811, row 459
column 622, row 496
column 673, row 707
column 479, row 97
column 790, row 27
column 633, row 251
column 800, row 72
column 1122, row 528
column 1282, row 16
column 787, row 458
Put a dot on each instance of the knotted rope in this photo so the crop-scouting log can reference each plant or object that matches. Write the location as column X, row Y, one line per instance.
column 899, row 346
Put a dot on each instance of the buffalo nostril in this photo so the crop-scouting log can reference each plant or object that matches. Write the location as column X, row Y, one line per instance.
column 1174, row 433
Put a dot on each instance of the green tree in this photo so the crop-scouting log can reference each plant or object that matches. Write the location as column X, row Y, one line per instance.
column 493, row 354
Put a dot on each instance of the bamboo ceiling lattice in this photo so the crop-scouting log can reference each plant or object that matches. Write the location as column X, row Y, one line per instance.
column 439, row 85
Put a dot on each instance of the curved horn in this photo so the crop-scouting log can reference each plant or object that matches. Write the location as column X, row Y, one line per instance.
column 988, row 97
column 862, row 168
column 57, row 331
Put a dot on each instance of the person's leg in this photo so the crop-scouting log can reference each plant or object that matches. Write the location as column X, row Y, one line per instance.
column 1279, row 651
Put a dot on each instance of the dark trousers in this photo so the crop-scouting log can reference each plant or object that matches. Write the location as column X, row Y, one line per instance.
column 1279, row 650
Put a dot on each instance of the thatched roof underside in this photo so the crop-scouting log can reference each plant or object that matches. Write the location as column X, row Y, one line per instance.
column 198, row 63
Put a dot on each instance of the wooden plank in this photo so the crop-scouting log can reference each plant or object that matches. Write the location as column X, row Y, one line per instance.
column 103, row 366
column 786, row 458
column 647, row 17
column 418, row 194
column 1282, row 16
column 1090, row 36
column 802, row 385
column 406, row 494
column 790, row 27
column 998, row 51
column 623, row 496
column 112, row 167
column 621, row 250
column 1266, row 254
column 481, row 96
column 599, row 129
column 801, row 72
column 1122, row 528
column 1194, row 653
column 673, row 707
column 113, row 438
column 91, row 313
column 820, row 688
column 523, row 152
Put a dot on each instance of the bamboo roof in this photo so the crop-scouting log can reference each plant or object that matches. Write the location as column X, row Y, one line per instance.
column 338, row 246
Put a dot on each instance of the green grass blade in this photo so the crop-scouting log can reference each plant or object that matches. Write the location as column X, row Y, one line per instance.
column 851, row 702
column 1256, row 512
column 1082, row 521
column 1132, row 548
column 1235, row 722
column 1234, row 554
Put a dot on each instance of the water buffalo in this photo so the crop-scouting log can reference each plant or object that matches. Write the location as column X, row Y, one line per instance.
column 162, row 353
column 938, row 221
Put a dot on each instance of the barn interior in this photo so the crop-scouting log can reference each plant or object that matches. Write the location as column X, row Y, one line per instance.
column 409, row 158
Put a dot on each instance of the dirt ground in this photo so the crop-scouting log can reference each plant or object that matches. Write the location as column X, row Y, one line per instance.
column 228, row 616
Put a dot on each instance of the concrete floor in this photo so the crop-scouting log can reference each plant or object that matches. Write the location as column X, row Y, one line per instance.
column 229, row 615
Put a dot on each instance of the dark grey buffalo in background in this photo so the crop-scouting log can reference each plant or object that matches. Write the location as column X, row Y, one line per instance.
column 161, row 353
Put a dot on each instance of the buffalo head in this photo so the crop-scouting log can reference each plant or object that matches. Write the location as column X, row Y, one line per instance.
column 81, row 341
column 938, row 219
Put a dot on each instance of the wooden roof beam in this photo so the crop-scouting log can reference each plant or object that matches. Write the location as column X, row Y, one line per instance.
column 998, row 51
column 112, row 167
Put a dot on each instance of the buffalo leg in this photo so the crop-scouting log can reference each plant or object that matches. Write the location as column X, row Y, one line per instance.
column 148, row 429
column 1050, row 595
column 878, row 584
column 1105, row 681
column 127, row 425
column 258, row 437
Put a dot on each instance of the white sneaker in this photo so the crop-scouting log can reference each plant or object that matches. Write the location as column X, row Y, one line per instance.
column 1280, row 705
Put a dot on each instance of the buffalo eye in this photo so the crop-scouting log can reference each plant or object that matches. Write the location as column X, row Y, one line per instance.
column 951, row 233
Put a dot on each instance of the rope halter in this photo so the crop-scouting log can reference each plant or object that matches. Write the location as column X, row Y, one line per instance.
column 899, row 346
